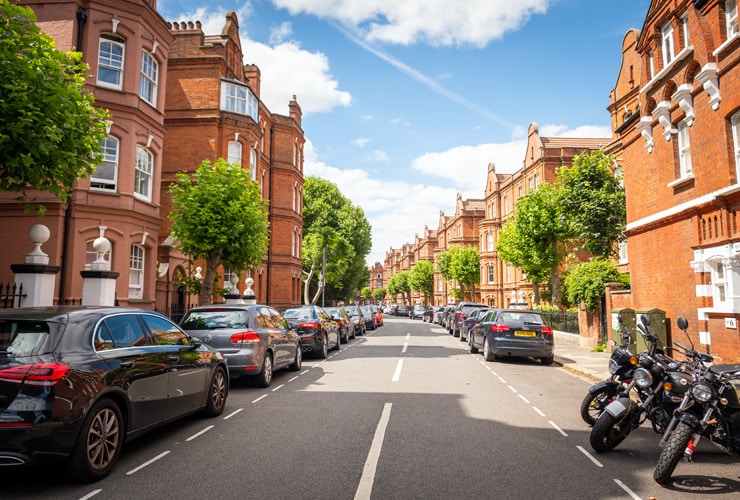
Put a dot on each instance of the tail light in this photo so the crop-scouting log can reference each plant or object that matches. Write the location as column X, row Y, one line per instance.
column 546, row 330
column 241, row 337
column 44, row 374
column 309, row 325
column 499, row 328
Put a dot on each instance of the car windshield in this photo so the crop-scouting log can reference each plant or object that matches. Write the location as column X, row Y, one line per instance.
column 23, row 338
column 522, row 318
column 213, row 319
column 352, row 311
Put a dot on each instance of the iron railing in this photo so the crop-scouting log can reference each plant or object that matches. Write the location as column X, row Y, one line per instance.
column 11, row 295
column 563, row 321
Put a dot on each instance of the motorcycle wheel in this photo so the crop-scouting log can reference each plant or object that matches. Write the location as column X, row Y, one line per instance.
column 593, row 405
column 607, row 432
column 672, row 453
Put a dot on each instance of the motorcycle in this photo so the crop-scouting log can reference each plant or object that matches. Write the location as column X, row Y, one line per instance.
column 624, row 414
column 622, row 364
column 714, row 413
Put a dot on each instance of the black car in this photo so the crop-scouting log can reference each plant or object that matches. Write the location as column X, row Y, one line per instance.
column 358, row 319
column 77, row 382
column 402, row 310
column 513, row 332
column 255, row 338
column 371, row 320
column 459, row 314
column 318, row 332
column 344, row 323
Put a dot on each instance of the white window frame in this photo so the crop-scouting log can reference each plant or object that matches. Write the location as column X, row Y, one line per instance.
column 489, row 242
column 719, row 285
column 253, row 163
column 228, row 273
column 238, row 98
column 684, row 149
column 623, row 253
column 143, row 174
column 651, row 64
column 111, row 61
column 735, row 120
column 731, row 20
column 137, row 258
column 235, row 153
column 110, row 149
column 491, row 275
column 668, row 44
column 148, row 78
column 685, row 29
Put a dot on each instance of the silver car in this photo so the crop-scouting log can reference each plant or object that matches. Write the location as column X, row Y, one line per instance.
column 255, row 339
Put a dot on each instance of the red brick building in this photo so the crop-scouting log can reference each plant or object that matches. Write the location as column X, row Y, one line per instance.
column 129, row 49
column 681, row 160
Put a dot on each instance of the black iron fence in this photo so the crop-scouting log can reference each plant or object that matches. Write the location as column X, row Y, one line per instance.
column 11, row 295
column 175, row 312
column 563, row 321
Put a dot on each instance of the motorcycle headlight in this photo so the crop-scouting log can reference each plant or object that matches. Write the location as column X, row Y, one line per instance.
column 702, row 392
column 613, row 366
column 642, row 378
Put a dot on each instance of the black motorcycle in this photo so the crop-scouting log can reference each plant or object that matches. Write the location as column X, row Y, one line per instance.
column 713, row 412
column 622, row 364
column 624, row 414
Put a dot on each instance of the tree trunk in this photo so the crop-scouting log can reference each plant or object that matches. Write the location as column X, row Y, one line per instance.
column 557, row 297
column 535, row 294
column 307, row 283
column 205, row 297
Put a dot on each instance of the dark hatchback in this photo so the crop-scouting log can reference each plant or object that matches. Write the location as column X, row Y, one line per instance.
column 318, row 332
column 255, row 338
column 513, row 332
column 78, row 382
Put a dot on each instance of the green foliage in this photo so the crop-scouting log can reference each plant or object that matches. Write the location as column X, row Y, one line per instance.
column 366, row 293
column 50, row 132
column 456, row 293
column 599, row 348
column 219, row 216
column 422, row 277
column 593, row 202
column 379, row 294
column 585, row 283
column 462, row 265
column 329, row 217
column 401, row 283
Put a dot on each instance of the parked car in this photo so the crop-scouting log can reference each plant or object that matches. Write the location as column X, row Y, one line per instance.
column 371, row 322
column 318, row 332
column 428, row 315
column 255, row 339
column 378, row 314
column 438, row 315
column 471, row 320
column 358, row 320
column 402, row 310
column 447, row 316
column 344, row 323
column 77, row 382
column 513, row 332
column 459, row 314
column 417, row 311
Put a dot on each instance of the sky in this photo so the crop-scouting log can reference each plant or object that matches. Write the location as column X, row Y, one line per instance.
column 406, row 102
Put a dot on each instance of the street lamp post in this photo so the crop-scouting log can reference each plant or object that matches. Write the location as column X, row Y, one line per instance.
column 323, row 272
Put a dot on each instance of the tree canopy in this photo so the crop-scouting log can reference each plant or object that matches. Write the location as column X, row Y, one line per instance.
column 463, row 265
column 422, row 278
column 586, row 282
column 401, row 283
column 219, row 216
column 50, row 132
column 331, row 221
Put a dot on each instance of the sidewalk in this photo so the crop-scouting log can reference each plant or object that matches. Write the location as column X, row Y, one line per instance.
column 579, row 360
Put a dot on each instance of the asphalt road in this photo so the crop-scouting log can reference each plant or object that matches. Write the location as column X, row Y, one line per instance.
column 402, row 413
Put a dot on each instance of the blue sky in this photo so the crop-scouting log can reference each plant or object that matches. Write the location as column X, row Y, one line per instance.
column 406, row 102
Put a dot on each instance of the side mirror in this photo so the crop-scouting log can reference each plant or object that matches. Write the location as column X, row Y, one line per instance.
column 195, row 343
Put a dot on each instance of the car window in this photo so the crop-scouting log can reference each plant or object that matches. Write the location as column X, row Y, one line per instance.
column 266, row 319
column 214, row 319
column 513, row 317
column 126, row 331
column 164, row 332
column 23, row 338
column 278, row 319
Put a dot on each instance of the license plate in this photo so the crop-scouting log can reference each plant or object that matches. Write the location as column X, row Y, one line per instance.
column 524, row 333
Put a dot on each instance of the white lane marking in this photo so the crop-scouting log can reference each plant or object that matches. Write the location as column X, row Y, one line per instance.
column 291, row 380
column 232, row 413
column 405, row 346
column 629, row 491
column 513, row 390
column 561, row 431
column 408, row 336
column 261, row 397
column 278, row 387
column 502, row 380
column 523, row 399
column 91, row 494
column 147, row 463
column 365, row 488
column 590, row 456
column 538, row 411
column 397, row 373
column 199, row 433
column 305, row 371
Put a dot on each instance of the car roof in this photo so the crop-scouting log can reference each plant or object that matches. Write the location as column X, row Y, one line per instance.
column 60, row 313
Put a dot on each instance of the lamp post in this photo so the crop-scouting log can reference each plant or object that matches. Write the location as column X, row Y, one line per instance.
column 322, row 280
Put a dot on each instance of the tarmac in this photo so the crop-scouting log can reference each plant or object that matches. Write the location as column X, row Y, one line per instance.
column 580, row 360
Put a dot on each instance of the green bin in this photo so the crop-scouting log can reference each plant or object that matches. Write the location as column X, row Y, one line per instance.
column 657, row 327
column 624, row 317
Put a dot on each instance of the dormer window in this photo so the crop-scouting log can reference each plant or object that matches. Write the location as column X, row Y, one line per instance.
column 668, row 45
column 731, row 22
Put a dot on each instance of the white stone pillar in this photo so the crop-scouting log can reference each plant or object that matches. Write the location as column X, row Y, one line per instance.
column 99, row 283
column 36, row 278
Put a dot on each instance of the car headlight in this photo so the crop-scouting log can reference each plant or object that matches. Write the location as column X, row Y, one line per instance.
column 642, row 378
column 702, row 392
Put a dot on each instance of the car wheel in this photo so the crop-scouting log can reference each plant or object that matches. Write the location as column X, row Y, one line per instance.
column 217, row 393
column 324, row 352
column 337, row 347
column 298, row 361
column 473, row 349
column 547, row 361
column 98, row 444
column 264, row 378
column 487, row 353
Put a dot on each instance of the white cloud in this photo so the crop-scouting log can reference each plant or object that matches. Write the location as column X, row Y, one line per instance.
column 438, row 22
column 279, row 33
column 377, row 155
column 360, row 141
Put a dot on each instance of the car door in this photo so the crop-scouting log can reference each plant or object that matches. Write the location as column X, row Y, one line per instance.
column 137, row 366
column 187, row 373
column 272, row 332
column 289, row 341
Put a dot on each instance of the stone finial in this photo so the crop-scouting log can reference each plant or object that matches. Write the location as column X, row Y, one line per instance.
column 101, row 246
column 38, row 234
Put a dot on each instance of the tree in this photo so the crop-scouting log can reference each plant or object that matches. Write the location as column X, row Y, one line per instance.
column 465, row 268
column 50, row 132
column 219, row 216
column 593, row 201
column 400, row 283
column 532, row 239
column 379, row 294
column 366, row 293
column 422, row 278
column 585, row 283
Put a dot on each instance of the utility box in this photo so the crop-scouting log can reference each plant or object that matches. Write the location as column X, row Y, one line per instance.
column 657, row 327
column 624, row 317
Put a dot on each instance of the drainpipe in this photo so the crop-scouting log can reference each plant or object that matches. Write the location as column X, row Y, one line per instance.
column 269, row 221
